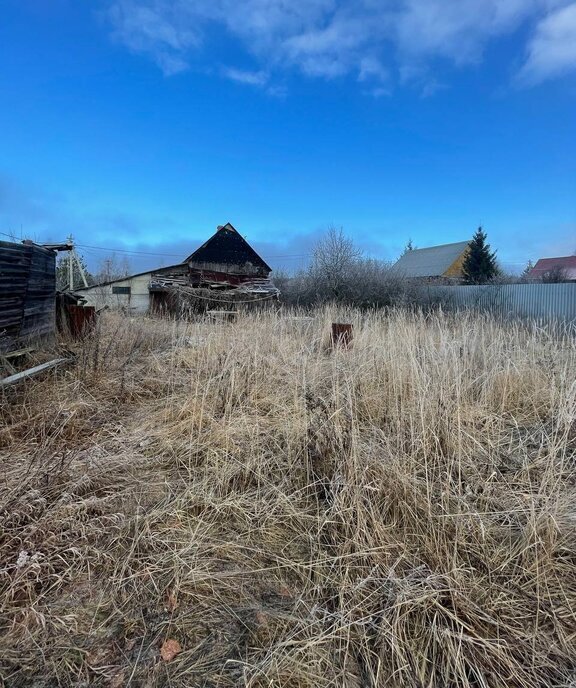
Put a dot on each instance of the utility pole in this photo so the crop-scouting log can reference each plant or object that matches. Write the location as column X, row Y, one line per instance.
column 70, row 264
column 80, row 268
column 73, row 258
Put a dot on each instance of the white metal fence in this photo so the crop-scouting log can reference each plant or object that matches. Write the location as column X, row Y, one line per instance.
column 555, row 302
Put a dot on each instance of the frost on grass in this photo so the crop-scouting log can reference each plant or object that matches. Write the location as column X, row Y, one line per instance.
column 253, row 510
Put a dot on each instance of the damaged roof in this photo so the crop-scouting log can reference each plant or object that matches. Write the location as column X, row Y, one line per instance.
column 228, row 247
column 127, row 278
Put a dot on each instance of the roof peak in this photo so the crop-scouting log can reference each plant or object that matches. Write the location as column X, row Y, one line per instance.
column 228, row 226
column 453, row 243
column 569, row 258
column 228, row 246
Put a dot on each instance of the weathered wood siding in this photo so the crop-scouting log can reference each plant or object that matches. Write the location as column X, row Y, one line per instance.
column 247, row 269
column 455, row 270
column 27, row 293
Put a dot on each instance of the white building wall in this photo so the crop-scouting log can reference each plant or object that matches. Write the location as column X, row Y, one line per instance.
column 138, row 301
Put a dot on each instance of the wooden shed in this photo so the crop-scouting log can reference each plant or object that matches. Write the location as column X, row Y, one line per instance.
column 27, row 293
column 224, row 263
column 133, row 294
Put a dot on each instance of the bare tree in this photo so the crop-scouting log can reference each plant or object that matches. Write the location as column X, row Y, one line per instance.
column 339, row 272
column 555, row 275
column 112, row 268
column 334, row 264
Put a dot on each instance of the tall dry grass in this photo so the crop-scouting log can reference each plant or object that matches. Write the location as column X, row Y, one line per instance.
column 400, row 514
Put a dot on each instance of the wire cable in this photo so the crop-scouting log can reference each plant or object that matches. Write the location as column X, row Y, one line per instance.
column 170, row 255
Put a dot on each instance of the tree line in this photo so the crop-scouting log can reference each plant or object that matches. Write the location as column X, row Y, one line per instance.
column 339, row 271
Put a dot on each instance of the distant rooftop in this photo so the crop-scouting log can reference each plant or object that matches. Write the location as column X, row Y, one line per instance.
column 429, row 262
column 567, row 264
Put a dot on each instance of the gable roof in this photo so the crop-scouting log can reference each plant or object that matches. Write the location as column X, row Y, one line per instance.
column 544, row 265
column 429, row 262
column 229, row 247
column 127, row 278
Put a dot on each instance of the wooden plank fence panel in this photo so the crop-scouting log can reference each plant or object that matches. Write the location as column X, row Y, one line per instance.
column 27, row 293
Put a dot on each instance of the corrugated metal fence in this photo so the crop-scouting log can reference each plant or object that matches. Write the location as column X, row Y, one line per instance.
column 27, row 293
column 550, row 302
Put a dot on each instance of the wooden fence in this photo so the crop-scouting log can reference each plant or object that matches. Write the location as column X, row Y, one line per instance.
column 27, row 293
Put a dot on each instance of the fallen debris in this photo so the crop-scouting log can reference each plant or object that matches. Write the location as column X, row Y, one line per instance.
column 32, row 372
column 170, row 648
column 222, row 316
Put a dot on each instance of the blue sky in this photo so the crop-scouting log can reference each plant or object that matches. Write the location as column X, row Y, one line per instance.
column 139, row 125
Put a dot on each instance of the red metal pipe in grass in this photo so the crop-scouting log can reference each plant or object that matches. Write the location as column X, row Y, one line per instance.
column 341, row 335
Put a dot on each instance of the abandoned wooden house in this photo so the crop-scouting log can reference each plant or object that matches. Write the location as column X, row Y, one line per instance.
column 224, row 269
column 226, row 260
column 27, row 293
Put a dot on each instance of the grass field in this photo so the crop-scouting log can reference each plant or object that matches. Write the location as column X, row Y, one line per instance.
column 235, row 505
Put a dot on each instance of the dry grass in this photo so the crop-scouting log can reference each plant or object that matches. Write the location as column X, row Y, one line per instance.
column 401, row 514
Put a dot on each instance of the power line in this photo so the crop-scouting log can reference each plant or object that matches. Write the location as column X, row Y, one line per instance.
column 123, row 250
column 168, row 255
column 110, row 249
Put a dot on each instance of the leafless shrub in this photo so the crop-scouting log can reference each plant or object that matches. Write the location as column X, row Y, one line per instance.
column 555, row 275
column 339, row 273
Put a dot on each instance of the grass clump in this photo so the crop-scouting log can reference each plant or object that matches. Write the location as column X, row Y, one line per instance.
column 398, row 514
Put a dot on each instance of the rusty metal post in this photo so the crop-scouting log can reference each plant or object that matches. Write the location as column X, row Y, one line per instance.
column 81, row 320
column 341, row 335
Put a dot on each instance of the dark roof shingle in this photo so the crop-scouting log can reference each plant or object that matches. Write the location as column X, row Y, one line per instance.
column 228, row 247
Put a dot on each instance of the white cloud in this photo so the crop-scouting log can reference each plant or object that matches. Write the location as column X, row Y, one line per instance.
column 458, row 30
column 372, row 68
column 151, row 28
column 379, row 92
column 552, row 50
column 246, row 77
column 330, row 38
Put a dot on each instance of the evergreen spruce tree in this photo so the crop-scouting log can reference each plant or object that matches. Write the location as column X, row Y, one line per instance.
column 409, row 247
column 527, row 270
column 480, row 263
